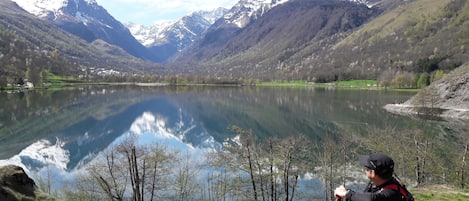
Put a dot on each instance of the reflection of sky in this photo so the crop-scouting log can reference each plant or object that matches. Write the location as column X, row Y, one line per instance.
column 178, row 132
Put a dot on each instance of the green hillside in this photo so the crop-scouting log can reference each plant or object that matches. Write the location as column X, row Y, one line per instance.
column 322, row 41
column 401, row 40
column 31, row 48
column 410, row 18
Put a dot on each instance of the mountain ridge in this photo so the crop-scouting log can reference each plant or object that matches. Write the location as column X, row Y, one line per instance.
column 30, row 46
column 245, row 48
column 87, row 20
column 226, row 51
column 168, row 38
column 329, row 41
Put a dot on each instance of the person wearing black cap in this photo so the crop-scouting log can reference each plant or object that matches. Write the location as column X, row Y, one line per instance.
column 383, row 186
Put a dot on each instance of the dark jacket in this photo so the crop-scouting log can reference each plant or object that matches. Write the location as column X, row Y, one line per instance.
column 376, row 193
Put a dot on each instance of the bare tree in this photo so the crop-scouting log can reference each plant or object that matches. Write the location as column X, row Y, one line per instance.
column 129, row 172
column 186, row 186
column 273, row 169
column 326, row 156
column 462, row 172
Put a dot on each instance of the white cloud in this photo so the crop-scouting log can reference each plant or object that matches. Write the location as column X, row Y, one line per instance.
column 148, row 11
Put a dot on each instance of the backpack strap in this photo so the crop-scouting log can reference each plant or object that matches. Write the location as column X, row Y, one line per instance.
column 398, row 188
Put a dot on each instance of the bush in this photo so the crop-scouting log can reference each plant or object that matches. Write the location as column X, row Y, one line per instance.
column 423, row 81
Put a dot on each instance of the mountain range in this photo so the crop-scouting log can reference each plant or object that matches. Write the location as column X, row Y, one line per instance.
column 31, row 47
column 87, row 20
column 168, row 38
column 325, row 41
column 316, row 40
column 274, row 36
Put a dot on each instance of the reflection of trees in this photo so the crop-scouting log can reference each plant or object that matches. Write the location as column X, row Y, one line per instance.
column 281, row 111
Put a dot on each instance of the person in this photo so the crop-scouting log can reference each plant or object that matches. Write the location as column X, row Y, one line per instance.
column 383, row 186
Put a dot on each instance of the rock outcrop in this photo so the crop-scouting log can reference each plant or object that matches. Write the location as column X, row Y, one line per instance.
column 446, row 98
column 16, row 185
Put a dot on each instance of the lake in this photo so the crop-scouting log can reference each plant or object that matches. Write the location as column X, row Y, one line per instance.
column 64, row 130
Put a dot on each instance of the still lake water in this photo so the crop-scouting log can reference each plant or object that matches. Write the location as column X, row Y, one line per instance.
column 64, row 130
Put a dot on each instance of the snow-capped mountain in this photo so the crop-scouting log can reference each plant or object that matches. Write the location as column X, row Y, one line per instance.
column 235, row 19
column 50, row 8
column 167, row 38
column 255, row 32
column 246, row 11
column 147, row 35
column 87, row 20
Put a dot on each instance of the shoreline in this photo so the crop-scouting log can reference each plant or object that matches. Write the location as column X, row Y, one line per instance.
column 443, row 112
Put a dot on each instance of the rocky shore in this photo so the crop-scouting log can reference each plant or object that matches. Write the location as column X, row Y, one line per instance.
column 446, row 98
column 16, row 185
column 446, row 113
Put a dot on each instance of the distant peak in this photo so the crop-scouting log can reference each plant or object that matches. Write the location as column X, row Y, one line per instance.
column 44, row 8
column 243, row 12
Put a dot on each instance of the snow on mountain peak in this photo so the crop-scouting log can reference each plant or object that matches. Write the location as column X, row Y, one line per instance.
column 148, row 35
column 211, row 16
column 183, row 29
column 42, row 8
column 54, row 8
column 41, row 153
column 369, row 3
column 243, row 12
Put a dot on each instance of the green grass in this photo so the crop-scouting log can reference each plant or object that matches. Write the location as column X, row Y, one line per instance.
column 357, row 83
column 298, row 83
column 439, row 193
column 349, row 83
column 55, row 79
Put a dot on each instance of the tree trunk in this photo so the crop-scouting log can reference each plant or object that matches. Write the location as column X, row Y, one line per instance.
column 251, row 172
column 463, row 166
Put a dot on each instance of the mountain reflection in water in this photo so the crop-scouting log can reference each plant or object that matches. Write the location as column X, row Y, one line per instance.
column 63, row 131
column 156, row 120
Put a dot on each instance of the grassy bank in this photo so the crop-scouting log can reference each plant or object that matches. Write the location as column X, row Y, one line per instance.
column 439, row 193
column 54, row 82
column 349, row 84
column 345, row 84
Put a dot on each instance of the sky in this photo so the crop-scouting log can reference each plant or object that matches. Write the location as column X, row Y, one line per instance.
column 148, row 12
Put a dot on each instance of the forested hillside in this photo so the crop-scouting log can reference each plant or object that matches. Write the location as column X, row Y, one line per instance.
column 402, row 43
column 262, row 47
column 31, row 48
column 419, row 37
column 26, row 55
column 334, row 40
column 410, row 41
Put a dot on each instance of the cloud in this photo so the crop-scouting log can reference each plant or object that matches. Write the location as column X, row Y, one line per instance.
column 159, row 10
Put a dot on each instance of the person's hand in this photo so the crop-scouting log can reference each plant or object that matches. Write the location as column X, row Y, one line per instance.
column 340, row 192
